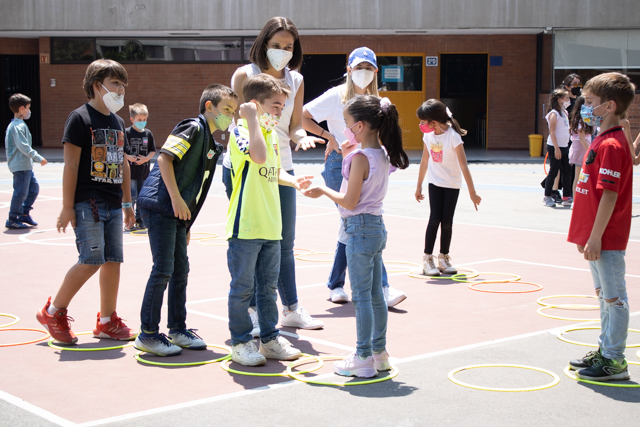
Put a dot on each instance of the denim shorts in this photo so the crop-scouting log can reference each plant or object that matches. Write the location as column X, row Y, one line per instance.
column 101, row 241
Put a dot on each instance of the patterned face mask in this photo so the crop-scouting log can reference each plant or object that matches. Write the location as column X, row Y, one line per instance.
column 268, row 121
column 590, row 119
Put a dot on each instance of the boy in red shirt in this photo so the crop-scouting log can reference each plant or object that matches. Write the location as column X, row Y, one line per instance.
column 601, row 221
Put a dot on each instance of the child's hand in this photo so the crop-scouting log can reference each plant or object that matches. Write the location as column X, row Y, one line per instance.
column 67, row 215
column 303, row 182
column 188, row 237
column 475, row 199
column 43, row 162
column 139, row 160
column 636, row 161
column 580, row 248
column 346, row 148
column 248, row 110
column 180, row 209
column 129, row 217
column 592, row 249
column 313, row 192
column 557, row 154
column 308, row 142
column 419, row 195
column 332, row 145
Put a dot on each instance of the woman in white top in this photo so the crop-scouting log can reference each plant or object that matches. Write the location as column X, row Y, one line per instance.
column 360, row 80
column 277, row 52
column 558, row 147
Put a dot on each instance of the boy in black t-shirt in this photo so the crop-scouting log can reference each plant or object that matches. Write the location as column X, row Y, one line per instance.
column 95, row 192
column 140, row 150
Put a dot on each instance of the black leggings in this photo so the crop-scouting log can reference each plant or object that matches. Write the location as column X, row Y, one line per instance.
column 442, row 202
column 561, row 166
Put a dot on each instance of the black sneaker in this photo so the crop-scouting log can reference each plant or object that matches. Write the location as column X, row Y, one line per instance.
column 605, row 369
column 139, row 226
column 586, row 362
column 556, row 196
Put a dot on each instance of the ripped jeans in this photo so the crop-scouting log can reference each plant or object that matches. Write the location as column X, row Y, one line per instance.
column 608, row 278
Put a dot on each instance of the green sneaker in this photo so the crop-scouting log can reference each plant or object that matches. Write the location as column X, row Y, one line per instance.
column 605, row 369
column 586, row 362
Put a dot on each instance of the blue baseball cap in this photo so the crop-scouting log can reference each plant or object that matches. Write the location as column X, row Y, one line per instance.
column 362, row 54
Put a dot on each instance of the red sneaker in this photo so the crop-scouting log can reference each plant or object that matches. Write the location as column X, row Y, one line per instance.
column 114, row 329
column 57, row 325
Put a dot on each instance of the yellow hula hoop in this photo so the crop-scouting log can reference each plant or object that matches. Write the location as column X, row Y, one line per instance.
column 568, row 306
column 139, row 233
column 16, row 319
column 211, row 236
column 222, row 241
column 302, row 257
column 301, row 249
column 204, row 362
column 536, row 289
column 470, row 275
column 539, row 311
column 515, row 278
column 115, row 347
column 590, row 345
column 556, row 379
column 403, row 263
column 295, row 375
column 568, row 372
column 225, row 365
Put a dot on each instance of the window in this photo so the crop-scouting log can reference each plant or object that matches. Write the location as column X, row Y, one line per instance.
column 400, row 73
column 72, row 50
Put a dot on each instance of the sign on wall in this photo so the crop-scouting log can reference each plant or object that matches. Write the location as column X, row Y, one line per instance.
column 393, row 73
column 431, row 61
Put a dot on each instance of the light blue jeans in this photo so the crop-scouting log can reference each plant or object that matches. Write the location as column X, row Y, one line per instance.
column 608, row 278
column 367, row 239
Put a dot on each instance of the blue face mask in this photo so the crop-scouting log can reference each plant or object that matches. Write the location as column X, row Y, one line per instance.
column 140, row 125
column 590, row 119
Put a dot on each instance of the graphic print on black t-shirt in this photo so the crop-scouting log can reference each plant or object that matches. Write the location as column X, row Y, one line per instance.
column 107, row 155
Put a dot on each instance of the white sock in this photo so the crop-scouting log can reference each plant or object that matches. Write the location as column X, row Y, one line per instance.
column 52, row 310
column 105, row 320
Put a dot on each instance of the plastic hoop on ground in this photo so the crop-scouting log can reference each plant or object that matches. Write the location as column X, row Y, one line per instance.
column 556, row 379
column 301, row 257
column 204, row 362
column 544, row 164
column 221, row 241
column 515, row 278
column 567, row 372
column 539, row 311
column 403, row 263
column 568, row 306
column 139, row 233
column 392, row 374
column 302, row 249
column 211, row 236
column 16, row 319
column 471, row 274
column 538, row 288
column 225, row 365
column 115, row 347
column 47, row 335
column 590, row 345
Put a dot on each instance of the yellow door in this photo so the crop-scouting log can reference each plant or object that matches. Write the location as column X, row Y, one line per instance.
column 407, row 103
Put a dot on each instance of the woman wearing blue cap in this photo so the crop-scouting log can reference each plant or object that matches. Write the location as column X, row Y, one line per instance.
column 360, row 80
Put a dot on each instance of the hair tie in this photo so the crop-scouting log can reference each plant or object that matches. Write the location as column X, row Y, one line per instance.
column 449, row 113
column 384, row 104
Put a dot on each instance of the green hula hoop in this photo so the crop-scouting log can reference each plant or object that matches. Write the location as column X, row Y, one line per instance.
column 16, row 319
column 470, row 275
column 225, row 365
column 392, row 374
column 58, row 347
column 205, row 362
column 567, row 372
column 586, row 344
column 514, row 279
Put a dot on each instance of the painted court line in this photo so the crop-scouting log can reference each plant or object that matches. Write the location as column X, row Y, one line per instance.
column 22, row 404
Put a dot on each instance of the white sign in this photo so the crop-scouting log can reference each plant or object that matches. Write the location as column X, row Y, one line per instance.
column 392, row 73
column 431, row 61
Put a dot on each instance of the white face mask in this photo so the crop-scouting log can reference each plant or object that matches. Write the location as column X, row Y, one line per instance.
column 279, row 58
column 362, row 78
column 566, row 104
column 112, row 100
column 26, row 115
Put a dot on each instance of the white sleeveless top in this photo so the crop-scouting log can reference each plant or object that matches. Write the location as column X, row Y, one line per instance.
column 293, row 79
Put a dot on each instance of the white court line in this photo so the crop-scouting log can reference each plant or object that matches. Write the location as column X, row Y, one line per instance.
column 22, row 404
column 554, row 266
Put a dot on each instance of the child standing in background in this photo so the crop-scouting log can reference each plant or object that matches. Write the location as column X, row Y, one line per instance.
column 140, row 150
column 558, row 147
column 20, row 157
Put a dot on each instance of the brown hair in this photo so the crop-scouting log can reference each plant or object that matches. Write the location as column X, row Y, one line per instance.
column 215, row 93
column 554, row 99
column 575, row 120
column 263, row 86
column 612, row 87
column 138, row 109
column 18, row 100
column 258, row 53
column 99, row 70
column 435, row 110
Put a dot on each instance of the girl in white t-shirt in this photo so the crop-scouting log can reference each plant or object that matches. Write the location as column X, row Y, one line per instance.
column 444, row 159
column 558, row 147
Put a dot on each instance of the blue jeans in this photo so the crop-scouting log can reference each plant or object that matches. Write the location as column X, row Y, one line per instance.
column 98, row 233
column 136, row 186
column 367, row 239
column 332, row 171
column 168, row 241
column 252, row 261
column 339, row 269
column 287, row 277
column 226, row 180
column 608, row 278
column 25, row 192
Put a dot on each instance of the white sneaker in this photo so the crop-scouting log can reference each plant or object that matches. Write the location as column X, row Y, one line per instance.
column 187, row 338
column 444, row 264
column 156, row 344
column 429, row 265
column 255, row 332
column 393, row 296
column 353, row 366
column 381, row 361
column 338, row 295
column 299, row 318
column 279, row 349
column 548, row 201
column 247, row 354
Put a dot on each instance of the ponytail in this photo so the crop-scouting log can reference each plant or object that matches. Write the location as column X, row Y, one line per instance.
column 435, row 110
column 381, row 115
column 554, row 99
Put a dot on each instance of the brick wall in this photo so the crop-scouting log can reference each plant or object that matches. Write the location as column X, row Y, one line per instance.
column 18, row 46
